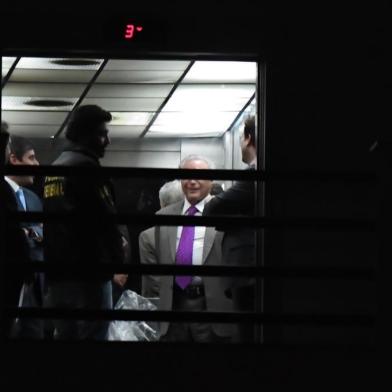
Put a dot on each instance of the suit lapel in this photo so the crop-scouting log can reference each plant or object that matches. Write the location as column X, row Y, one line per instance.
column 172, row 232
column 208, row 242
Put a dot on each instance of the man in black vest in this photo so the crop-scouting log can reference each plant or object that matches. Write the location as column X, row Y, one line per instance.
column 87, row 242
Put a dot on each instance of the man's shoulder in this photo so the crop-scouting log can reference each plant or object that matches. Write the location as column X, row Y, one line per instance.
column 33, row 201
column 148, row 233
column 172, row 209
column 75, row 158
column 31, row 194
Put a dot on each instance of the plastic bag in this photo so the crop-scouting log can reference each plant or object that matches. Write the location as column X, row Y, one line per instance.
column 133, row 330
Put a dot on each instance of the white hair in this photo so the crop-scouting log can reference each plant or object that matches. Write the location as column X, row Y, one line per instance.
column 188, row 158
column 170, row 192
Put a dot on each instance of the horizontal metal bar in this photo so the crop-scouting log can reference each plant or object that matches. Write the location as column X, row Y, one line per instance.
column 219, row 317
column 121, row 172
column 200, row 270
column 244, row 175
column 221, row 221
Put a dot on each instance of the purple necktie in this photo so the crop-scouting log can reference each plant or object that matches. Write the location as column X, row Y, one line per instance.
column 185, row 249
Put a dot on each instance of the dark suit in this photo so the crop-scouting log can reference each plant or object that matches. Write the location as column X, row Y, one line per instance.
column 88, row 242
column 238, row 245
column 213, row 298
column 15, row 249
column 32, row 293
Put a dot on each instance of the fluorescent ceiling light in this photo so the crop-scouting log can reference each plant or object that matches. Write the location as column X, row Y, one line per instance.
column 192, row 124
column 130, row 118
column 222, row 71
column 50, row 63
column 209, row 98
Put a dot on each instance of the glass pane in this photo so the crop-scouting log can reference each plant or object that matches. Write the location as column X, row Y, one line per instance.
column 163, row 115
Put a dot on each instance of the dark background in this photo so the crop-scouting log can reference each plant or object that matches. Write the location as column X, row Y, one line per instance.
column 326, row 80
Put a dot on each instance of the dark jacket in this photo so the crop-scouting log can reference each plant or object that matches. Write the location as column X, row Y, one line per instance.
column 14, row 249
column 238, row 245
column 35, row 237
column 88, row 241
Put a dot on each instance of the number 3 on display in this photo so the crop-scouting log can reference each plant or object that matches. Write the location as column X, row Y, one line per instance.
column 130, row 30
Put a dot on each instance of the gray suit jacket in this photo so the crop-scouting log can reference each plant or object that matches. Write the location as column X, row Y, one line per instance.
column 147, row 252
column 214, row 286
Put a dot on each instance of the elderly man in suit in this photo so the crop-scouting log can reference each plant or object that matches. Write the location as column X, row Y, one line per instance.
column 22, row 153
column 191, row 246
column 238, row 246
column 170, row 192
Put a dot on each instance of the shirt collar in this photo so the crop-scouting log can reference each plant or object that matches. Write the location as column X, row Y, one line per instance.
column 200, row 205
column 15, row 187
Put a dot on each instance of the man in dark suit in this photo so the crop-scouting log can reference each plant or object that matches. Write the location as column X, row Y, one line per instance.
column 238, row 245
column 197, row 246
column 15, row 248
column 88, row 242
column 32, row 293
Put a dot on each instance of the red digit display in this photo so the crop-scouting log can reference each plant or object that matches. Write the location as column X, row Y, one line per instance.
column 130, row 31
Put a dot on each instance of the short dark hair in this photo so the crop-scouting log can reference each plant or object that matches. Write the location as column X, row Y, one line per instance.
column 250, row 129
column 84, row 122
column 19, row 146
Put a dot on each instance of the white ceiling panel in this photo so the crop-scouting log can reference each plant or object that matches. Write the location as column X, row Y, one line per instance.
column 129, row 91
column 222, row 72
column 52, row 76
column 139, row 76
column 125, row 131
column 46, row 131
column 6, row 64
column 126, row 104
column 136, row 118
column 22, row 103
column 145, row 65
column 192, row 124
column 33, row 118
column 51, row 90
column 50, row 63
column 206, row 97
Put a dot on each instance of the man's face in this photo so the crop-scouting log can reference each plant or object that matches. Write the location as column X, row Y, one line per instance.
column 244, row 143
column 196, row 190
column 29, row 159
column 100, row 141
